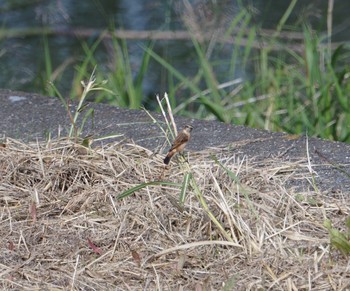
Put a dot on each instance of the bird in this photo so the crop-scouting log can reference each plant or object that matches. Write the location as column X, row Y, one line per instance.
column 179, row 143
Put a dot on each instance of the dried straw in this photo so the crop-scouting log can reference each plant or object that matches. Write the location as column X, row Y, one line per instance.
column 62, row 226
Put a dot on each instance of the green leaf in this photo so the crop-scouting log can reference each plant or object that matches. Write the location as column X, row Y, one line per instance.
column 214, row 108
column 143, row 185
column 337, row 239
column 184, row 187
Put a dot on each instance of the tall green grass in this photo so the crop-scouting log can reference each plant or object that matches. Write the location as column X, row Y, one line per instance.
column 309, row 90
column 296, row 89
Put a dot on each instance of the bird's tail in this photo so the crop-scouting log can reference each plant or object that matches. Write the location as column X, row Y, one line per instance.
column 167, row 159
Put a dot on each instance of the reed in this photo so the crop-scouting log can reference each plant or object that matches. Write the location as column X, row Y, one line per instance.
column 298, row 86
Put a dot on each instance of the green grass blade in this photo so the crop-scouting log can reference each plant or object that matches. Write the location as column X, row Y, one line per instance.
column 243, row 190
column 143, row 185
column 285, row 16
column 186, row 81
column 143, row 70
column 83, row 69
column 184, row 187
column 214, row 108
column 207, row 210
column 209, row 76
column 58, row 93
column 89, row 113
column 337, row 239
column 48, row 66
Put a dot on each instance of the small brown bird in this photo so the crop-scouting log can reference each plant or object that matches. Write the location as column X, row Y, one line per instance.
column 179, row 143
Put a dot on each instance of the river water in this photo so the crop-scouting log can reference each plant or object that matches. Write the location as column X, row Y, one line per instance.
column 22, row 57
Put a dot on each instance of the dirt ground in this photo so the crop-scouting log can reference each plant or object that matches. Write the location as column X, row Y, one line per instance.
column 239, row 227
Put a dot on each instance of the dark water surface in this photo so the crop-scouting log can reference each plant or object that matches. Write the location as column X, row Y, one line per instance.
column 22, row 61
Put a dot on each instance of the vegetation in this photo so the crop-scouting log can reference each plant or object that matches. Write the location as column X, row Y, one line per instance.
column 208, row 222
column 299, row 85
column 237, row 227
column 301, row 88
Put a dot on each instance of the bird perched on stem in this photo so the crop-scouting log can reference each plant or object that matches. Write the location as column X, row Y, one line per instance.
column 179, row 143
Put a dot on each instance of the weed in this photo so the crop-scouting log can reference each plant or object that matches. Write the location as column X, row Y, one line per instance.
column 339, row 240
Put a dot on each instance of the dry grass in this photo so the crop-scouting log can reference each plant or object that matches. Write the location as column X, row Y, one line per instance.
column 63, row 228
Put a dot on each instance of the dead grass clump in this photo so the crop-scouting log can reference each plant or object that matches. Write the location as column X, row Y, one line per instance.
column 62, row 225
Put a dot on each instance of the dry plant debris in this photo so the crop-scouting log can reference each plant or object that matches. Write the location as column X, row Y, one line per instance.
column 62, row 226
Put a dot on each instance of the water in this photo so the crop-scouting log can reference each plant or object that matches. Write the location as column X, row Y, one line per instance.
column 22, row 61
